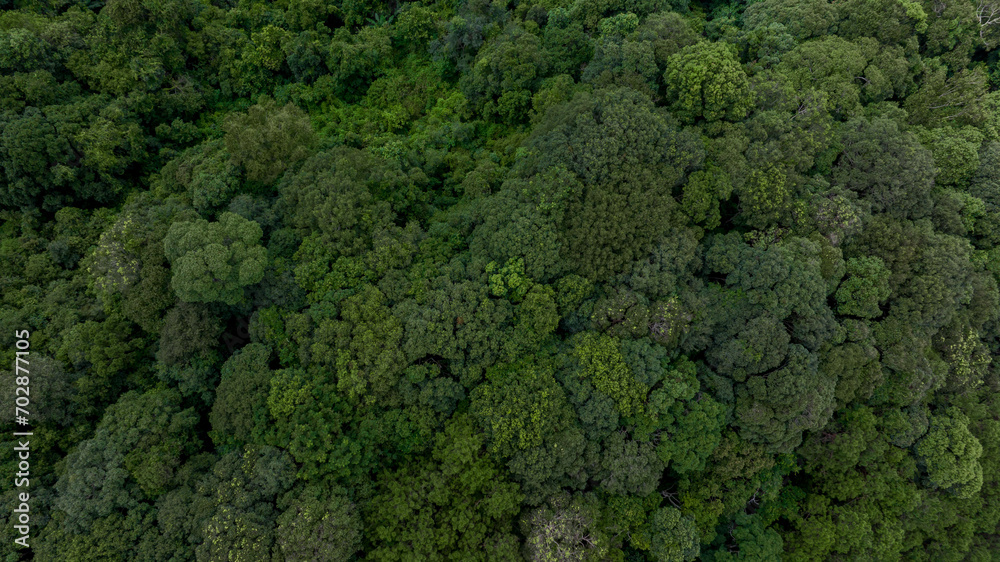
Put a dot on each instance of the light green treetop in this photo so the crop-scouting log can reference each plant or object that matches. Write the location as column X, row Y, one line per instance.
column 213, row 261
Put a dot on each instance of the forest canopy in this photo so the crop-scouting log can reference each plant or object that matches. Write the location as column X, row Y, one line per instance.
column 543, row 280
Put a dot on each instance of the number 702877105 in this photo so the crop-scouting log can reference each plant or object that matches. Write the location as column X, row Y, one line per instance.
column 21, row 377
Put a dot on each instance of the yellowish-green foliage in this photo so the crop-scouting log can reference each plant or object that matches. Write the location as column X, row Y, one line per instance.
column 956, row 152
column 266, row 50
column 969, row 360
column 951, row 454
column 368, row 365
column 705, row 80
column 508, row 281
column 289, row 389
column 764, row 196
column 602, row 362
column 519, row 406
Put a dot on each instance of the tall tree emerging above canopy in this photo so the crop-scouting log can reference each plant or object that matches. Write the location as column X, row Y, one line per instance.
column 951, row 455
column 887, row 165
column 213, row 261
column 618, row 160
column 705, row 80
column 268, row 139
column 332, row 194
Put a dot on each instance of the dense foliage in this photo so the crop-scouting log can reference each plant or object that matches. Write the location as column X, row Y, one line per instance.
column 546, row 280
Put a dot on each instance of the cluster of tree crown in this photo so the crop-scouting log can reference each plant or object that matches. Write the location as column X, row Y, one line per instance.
column 545, row 280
